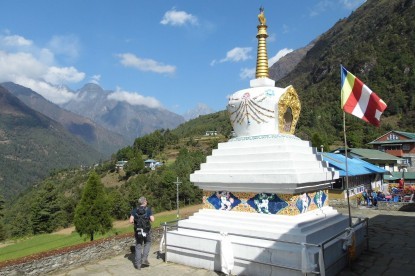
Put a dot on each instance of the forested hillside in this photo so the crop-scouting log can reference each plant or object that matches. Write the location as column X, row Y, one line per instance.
column 32, row 145
column 52, row 202
column 377, row 44
column 218, row 121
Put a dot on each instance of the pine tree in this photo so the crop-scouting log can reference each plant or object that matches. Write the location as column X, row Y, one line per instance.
column 92, row 214
column 46, row 210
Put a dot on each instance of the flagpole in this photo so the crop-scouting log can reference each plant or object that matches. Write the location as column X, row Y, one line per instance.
column 347, row 170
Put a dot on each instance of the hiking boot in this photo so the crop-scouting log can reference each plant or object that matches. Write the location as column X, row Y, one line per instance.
column 145, row 262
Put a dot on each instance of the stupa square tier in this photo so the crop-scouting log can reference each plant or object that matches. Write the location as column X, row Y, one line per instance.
column 279, row 163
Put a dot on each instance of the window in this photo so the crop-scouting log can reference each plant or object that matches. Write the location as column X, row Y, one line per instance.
column 392, row 136
column 406, row 147
column 407, row 161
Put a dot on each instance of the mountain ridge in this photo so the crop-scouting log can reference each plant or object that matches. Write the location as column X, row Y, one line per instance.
column 32, row 145
column 126, row 119
column 98, row 137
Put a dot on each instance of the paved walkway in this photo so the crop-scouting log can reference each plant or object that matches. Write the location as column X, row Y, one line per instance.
column 391, row 252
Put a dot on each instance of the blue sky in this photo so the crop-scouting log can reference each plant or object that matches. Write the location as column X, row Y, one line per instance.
column 169, row 54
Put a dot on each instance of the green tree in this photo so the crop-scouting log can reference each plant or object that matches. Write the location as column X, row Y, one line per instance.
column 46, row 211
column 135, row 164
column 93, row 214
column 119, row 205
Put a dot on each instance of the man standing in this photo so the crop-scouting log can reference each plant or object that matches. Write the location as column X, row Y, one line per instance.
column 401, row 184
column 142, row 216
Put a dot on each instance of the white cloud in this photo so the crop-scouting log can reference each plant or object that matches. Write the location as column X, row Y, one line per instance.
column 178, row 18
column 95, row 79
column 22, row 62
column 279, row 55
column 247, row 73
column 134, row 98
column 15, row 40
column 13, row 65
column 55, row 94
column 60, row 75
column 237, row 54
column 130, row 60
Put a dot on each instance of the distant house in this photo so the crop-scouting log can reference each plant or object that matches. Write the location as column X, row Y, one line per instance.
column 361, row 174
column 400, row 144
column 211, row 133
column 120, row 165
column 379, row 158
column 152, row 164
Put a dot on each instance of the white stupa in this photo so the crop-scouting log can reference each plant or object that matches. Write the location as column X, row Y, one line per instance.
column 266, row 208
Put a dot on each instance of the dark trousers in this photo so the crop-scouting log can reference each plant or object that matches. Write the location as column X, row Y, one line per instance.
column 142, row 248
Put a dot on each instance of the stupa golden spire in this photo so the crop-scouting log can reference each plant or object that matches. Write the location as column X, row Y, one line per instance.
column 262, row 57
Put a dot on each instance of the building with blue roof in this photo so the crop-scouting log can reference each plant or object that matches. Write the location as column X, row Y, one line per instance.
column 361, row 174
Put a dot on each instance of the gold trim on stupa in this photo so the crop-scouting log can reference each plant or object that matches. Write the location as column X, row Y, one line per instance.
column 289, row 107
column 262, row 57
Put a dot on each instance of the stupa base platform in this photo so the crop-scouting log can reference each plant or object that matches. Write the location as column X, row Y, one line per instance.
column 264, row 244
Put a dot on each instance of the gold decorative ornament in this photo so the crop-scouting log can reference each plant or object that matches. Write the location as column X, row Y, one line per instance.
column 262, row 57
column 261, row 16
column 289, row 107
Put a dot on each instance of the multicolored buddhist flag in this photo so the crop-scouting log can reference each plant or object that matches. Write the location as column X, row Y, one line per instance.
column 359, row 100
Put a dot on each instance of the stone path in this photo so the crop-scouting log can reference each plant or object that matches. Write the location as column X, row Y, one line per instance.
column 391, row 244
column 391, row 252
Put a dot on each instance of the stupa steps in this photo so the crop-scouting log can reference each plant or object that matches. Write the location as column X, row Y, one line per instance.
column 276, row 253
column 274, row 187
column 264, row 149
column 292, row 232
column 263, row 177
column 289, row 221
column 273, row 140
column 264, row 157
column 259, row 230
column 298, row 220
column 264, row 165
column 264, row 221
column 220, row 168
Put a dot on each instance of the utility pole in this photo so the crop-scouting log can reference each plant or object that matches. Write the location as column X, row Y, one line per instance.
column 177, row 198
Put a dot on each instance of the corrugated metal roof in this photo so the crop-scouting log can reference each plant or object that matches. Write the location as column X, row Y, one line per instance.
column 150, row 161
column 355, row 166
column 398, row 175
column 369, row 154
column 407, row 134
column 374, row 154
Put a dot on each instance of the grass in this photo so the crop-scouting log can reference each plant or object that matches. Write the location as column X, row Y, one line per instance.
column 46, row 242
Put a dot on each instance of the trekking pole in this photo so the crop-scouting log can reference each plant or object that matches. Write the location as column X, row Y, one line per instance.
column 165, row 243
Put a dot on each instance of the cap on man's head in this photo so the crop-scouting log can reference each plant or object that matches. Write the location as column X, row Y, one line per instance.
column 141, row 200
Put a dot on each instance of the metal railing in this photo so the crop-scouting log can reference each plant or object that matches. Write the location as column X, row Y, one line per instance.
column 173, row 225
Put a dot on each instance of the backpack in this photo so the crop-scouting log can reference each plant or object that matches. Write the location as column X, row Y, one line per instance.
column 141, row 221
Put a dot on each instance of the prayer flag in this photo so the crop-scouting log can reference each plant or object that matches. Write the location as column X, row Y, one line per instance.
column 359, row 100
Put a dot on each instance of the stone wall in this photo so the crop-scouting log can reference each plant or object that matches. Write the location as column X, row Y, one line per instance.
column 74, row 256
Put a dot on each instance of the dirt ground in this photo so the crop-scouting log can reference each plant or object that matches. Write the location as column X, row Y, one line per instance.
column 184, row 212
